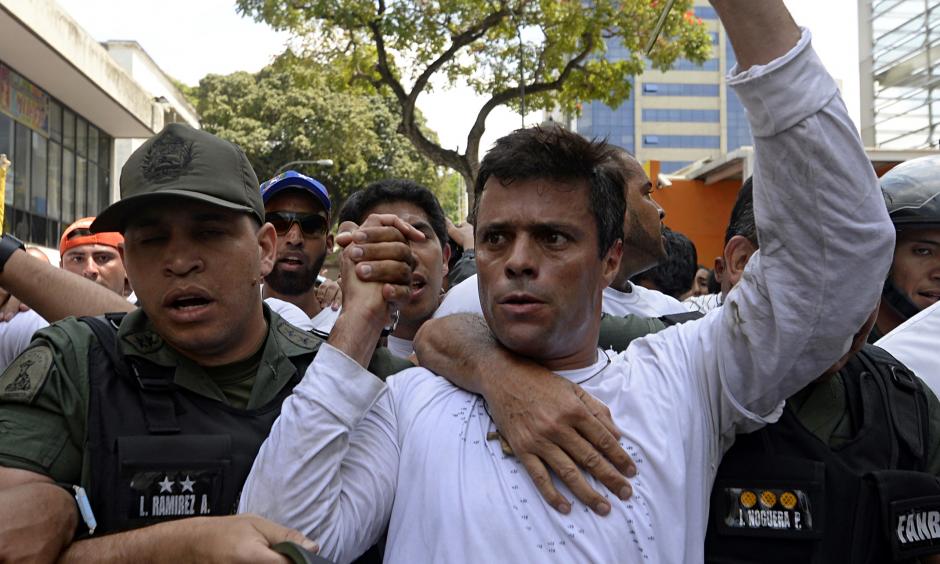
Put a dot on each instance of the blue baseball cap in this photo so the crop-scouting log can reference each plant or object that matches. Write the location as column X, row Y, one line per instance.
column 292, row 179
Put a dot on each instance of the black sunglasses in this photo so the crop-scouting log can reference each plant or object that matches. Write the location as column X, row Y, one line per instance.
column 310, row 223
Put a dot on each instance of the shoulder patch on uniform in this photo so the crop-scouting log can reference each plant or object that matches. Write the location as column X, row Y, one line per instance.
column 297, row 336
column 25, row 376
column 145, row 342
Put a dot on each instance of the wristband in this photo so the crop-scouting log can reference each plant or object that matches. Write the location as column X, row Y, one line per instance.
column 84, row 509
column 9, row 245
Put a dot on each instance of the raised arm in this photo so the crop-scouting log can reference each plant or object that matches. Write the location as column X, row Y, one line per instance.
column 55, row 293
column 546, row 419
column 825, row 239
column 329, row 468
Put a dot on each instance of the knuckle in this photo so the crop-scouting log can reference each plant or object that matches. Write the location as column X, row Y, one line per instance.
column 569, row 474
column 606, row 443
column 591, row 461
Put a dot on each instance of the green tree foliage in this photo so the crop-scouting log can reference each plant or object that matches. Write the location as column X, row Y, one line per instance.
column 556, row 49
column 295, row 110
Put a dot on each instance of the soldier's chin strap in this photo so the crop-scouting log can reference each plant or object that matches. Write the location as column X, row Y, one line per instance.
column 898, row 301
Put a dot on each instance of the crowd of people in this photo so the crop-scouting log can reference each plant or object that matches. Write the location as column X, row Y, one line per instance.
column 558, row 379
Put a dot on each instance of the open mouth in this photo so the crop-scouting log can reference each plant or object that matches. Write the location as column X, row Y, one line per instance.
column 520, row 303
column 418, row 283
column 192, row 302
column 187, row 305
column 931, row 296
column 291, row 261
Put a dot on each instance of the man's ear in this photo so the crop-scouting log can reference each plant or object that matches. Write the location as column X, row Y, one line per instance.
column 267, row 248
column 445, row 255
column 330, row 243
column 738, row 251
column 611, row 263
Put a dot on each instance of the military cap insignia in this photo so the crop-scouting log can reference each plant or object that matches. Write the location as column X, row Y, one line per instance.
column 167, row 158
column 297, row 336
column 23, row 379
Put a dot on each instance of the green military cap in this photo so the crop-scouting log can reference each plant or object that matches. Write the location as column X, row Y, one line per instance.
column 183, row 162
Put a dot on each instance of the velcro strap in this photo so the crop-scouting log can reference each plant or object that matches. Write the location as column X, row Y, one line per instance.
column 157, row 399
column 910, row 505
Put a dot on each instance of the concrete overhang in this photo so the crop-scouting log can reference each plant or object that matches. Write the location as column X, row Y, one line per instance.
column 44, row 44
column 733, row 165
column 738, row 164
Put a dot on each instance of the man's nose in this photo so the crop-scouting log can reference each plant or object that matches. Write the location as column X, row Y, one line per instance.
column 522, row 259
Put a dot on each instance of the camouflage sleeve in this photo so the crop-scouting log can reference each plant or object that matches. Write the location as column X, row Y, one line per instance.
column 43, row 399
column 383, row 363
column 617, row 332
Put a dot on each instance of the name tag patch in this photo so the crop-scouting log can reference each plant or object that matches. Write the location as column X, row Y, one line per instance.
column 768, row 510
column 170, row 494
column 915, row 527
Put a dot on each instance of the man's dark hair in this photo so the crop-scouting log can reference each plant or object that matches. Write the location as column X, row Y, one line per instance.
column 742, row 215
column 551, row 152
column 675, row 275
column 395, row 190
column 714, row 286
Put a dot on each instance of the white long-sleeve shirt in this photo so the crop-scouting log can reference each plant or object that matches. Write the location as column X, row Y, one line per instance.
column 914, row 343
column 350, row 454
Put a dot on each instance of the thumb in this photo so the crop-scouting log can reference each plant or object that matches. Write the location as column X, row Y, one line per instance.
column 274, row 533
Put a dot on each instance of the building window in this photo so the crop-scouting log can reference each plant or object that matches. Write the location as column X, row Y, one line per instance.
column 60, row 161
column 679, row 89
column 682, row 141
column 687, row 65
column 668, row 167
column 677, row 115
column 706, row 13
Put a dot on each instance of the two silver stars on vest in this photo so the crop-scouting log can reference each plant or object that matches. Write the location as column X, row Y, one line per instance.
column 167, row 484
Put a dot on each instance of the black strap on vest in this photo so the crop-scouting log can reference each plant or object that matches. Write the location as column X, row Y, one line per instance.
column 154, row 384
column 677, row 318
column 905, row 394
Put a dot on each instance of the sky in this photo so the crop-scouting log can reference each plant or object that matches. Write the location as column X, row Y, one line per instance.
column 191, row 38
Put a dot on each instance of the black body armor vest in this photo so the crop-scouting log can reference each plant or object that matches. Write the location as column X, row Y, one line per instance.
column 159, row 452
column 782, row 495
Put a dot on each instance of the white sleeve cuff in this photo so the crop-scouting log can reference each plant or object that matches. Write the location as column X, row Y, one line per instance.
column 785, row 91
column 339, row 384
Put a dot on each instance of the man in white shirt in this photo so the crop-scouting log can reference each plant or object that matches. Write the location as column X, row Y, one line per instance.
column 349, row 453
column 417, row 206
column 914, row 343
column 643, row 248
column 298, row 207
column 94, row 256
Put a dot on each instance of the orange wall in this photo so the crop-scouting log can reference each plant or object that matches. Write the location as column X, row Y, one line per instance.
column 700, row 213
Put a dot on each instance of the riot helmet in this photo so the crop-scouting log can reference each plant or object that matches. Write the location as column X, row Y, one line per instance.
column 912, row 194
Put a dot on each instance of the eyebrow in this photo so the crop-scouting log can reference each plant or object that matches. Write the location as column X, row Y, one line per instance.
column 533, row 226
column 927, row 242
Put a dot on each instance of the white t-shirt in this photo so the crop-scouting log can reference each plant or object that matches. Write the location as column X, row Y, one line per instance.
column 915, row 343
column 702, row 304
column 349, row 452
column 402, row 348
column 322, row 322
column 465, row 298
column 640, row 301
column 17, row 334
column 290, row 313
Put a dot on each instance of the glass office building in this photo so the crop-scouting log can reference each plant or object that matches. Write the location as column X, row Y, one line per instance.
column 675, row 117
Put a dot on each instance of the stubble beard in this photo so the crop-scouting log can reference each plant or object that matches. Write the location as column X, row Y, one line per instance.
column 294, row 283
